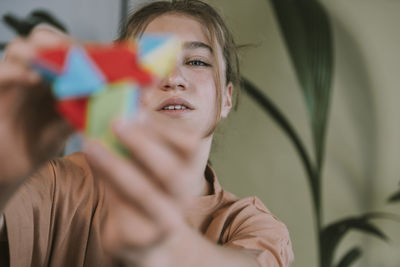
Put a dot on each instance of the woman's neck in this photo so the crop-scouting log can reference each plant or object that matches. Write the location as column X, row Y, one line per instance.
column 198, row 184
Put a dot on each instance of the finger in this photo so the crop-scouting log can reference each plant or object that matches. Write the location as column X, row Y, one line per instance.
column 129, row 181
column 16, row 75
column 19, row 51
column 149, row 149
column 127, row 227
column 43, row 37
column 23, row 50
column 48, row 27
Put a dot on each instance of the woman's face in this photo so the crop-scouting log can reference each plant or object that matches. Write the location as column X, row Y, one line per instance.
column 188, row 95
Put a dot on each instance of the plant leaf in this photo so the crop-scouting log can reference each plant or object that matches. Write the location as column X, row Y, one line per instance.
column 332, row 234
column 307, row 32
column 306, row 28
column 350, row 257
column 272, row 110
column 23, row 26
column 395, row 197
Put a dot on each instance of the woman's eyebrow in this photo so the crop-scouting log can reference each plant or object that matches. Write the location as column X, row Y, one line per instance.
column 197, row 44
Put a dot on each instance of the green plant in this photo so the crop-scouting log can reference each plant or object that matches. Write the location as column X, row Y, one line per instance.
column 395, row 197
column 306, row 29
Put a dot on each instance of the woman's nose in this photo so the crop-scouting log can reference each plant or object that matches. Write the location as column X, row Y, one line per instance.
column 175, row 80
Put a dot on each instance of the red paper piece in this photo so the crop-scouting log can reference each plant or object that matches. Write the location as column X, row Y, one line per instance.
column 53, row 59
column 119, row 62
column 74, row 111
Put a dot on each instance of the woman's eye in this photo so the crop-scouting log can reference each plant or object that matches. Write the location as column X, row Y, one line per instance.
column 197, row 63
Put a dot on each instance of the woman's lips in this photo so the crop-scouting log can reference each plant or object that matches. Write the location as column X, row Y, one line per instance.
column 175, row 101
column 175, row 113
column 175, row 106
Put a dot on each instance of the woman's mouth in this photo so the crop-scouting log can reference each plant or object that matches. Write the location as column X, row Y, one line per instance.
column 175, row 107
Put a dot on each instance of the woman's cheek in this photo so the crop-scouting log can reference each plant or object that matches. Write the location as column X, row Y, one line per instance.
column 147, row 95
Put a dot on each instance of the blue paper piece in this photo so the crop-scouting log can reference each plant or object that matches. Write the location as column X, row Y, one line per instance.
column 81, row 77
column 147, row 43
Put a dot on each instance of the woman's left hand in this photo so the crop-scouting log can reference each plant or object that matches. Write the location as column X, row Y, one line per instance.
column 145, row 225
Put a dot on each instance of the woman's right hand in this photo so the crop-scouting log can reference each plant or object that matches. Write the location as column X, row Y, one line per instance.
column 31, row 131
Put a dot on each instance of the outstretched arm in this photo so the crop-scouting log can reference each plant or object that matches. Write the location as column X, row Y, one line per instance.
column 30, row 130
column 145, row 226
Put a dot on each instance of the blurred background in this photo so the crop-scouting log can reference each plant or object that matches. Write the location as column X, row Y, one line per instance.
column 252, row 155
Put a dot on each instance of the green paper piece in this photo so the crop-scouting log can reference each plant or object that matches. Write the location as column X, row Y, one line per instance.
column 116, row 101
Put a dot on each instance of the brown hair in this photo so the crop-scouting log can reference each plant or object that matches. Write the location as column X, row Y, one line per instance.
column 208, row 16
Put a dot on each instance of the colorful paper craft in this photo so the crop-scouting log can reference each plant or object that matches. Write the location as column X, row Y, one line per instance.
column 80, row 77
column 51, row 62
column 117, row 100
column 158, row 55
column 74, row 111
column 95, row 84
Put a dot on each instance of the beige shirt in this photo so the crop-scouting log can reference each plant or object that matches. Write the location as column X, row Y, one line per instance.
column 55, row 220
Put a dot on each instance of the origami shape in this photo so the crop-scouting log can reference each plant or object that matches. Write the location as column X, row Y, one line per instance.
column 157, row 54
column 74, row 110
column 116, row 100
column 94, row 84
column 80, row 77
column 51, row 62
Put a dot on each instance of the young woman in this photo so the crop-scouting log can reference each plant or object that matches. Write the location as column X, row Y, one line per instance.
column 161, row 207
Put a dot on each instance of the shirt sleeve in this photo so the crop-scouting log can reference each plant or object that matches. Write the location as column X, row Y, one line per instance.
column 55, row 217
column 254, row 229
column 77, row 213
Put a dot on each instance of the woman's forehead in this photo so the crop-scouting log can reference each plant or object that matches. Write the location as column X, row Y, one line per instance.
column 193, row 33
column 187, row 28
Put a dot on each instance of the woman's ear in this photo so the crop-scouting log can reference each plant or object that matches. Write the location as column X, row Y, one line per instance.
column 226, row 100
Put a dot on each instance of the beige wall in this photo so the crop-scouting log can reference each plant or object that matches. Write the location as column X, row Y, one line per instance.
column 253, row 157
